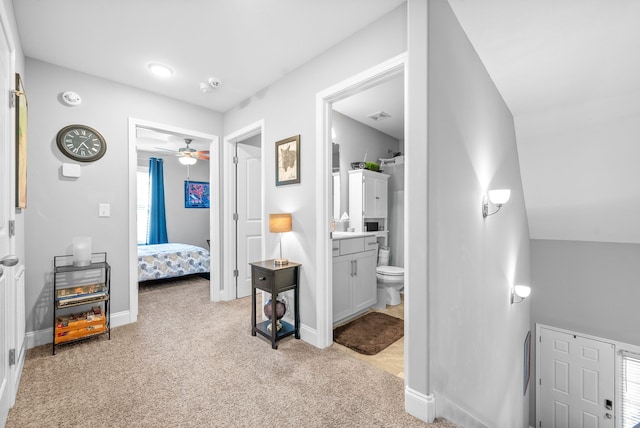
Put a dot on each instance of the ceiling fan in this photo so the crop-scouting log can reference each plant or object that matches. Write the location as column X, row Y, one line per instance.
column 187, row 155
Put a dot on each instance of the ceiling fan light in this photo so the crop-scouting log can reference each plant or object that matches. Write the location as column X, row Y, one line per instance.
column 187, row 160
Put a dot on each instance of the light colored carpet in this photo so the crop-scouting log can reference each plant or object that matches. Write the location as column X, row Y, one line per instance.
column 188, row 362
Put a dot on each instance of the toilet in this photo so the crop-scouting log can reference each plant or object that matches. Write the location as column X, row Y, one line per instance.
column 390, row 280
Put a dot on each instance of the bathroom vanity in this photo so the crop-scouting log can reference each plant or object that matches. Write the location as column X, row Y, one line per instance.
column 354, row 273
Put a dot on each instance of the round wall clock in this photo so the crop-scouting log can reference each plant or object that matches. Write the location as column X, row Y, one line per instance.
column 81, row 143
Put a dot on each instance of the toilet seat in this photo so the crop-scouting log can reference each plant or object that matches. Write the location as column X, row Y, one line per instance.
column 390, row 270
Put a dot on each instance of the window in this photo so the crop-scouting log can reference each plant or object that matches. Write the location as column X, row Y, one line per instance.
column 629, row 389
column 142, row 176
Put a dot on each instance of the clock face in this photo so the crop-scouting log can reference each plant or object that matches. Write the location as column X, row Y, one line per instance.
column 81, row 143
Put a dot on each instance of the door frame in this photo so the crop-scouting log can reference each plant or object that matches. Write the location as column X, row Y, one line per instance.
column 214, row 212
column 617, row 347
column 324, row 101
column 227, row 292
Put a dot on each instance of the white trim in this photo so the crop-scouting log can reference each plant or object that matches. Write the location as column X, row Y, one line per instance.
column 214, row 219
column 324, row 100
column 446, row 408
column 309, row 335
column 419, row 405
column 618, row 348
column 256, row 128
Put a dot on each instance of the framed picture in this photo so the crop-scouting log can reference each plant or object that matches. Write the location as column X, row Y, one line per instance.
column 21, row 144
column 527, row 362
column 196, row 194
column 288, row 161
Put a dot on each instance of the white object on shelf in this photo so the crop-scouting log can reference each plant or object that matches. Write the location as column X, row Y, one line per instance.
column 81, row 250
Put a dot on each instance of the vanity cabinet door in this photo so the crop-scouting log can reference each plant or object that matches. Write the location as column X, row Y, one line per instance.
column 364, row 281
column 375, row 197
column 342, row 270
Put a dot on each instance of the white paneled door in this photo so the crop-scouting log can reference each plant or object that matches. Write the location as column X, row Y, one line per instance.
column 6, row 206
column 575, row 381
column 249, row 209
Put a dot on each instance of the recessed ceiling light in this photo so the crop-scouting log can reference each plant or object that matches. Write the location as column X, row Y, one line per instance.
column 160, row 70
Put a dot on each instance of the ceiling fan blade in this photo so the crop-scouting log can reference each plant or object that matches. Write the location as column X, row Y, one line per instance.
column 203, row 157
column 201, row 152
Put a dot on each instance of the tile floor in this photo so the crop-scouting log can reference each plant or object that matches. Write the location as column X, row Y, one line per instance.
column 390, row 359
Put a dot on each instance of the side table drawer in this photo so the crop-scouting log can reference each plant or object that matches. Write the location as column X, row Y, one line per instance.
column 261, row 279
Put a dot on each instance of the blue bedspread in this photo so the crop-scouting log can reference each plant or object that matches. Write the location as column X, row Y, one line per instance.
column 171, row 260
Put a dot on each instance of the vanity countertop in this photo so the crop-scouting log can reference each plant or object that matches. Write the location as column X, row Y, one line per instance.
column 347, row 235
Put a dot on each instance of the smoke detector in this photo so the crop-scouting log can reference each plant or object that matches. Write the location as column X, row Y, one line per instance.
column 379, row 115
column 210, row 85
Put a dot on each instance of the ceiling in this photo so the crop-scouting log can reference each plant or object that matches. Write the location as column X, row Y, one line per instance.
column 246, row 44
column 568, row 70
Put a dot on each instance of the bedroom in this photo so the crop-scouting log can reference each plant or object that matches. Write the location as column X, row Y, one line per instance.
column 185, row 251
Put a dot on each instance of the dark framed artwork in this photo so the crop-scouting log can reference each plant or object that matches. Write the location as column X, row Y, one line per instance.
column 288, row 161
column 21, row 144
column 196, row 194
column 527, row 362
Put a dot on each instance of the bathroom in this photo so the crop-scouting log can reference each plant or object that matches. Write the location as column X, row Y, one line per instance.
column 363, row 133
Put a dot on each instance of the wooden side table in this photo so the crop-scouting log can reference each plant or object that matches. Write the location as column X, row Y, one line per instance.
column 266, row 276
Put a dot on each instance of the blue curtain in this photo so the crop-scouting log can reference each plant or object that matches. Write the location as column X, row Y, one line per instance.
column 157, row 233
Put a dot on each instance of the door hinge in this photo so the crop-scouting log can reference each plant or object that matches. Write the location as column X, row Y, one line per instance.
column 235, row 216
column 236, row 273
column 12, row 98
column 235, row 160
column 12, row 357
column 12, row 228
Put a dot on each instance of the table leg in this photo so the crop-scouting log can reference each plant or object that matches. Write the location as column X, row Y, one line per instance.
column 253, row 311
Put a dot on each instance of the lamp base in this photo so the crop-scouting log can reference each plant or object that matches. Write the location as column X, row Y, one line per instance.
column 281, row 262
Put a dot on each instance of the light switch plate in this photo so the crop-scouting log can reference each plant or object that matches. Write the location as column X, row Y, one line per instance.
column 104, row 210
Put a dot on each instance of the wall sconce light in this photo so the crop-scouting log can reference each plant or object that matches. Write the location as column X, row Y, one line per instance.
column 279, row 223
column 520, row 292
column 497, row 197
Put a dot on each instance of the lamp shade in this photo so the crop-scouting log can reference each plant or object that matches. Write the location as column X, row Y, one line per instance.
column 187, row 160
column 279, row 223
column 499, row 196
column 522, row 291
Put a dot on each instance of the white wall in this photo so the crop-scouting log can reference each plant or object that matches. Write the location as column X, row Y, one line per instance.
column 61, row 208
column 588, row 287
column 184, row 225
column 476, row 335
column 288, row 108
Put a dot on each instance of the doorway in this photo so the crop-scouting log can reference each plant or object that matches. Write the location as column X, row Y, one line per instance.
column 324, row 184
column 243, row 225
column 575, row 380
column 135, row 126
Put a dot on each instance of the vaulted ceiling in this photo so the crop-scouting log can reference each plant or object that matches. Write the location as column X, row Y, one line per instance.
column 568, row 70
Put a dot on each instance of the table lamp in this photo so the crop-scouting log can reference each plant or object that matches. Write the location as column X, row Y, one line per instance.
column 279, row 223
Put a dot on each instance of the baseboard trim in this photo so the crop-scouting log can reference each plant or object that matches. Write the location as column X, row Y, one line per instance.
column 448, row 409
column 45, row 336
column 420, row 405
column 309, row 335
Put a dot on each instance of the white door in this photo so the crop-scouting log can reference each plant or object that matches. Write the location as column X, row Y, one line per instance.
column 249, row 209
column 7, row 323
column 575, row 381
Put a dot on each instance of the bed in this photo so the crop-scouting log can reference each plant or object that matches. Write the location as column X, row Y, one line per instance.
column 161, row 261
